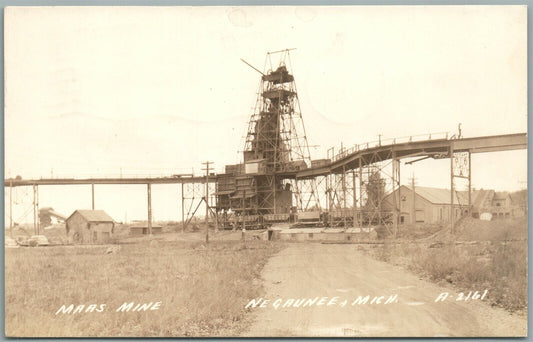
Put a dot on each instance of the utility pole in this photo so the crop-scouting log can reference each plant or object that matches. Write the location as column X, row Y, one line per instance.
column 206, row 198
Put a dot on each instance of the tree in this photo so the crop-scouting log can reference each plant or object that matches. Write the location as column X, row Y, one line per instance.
column 375, row 190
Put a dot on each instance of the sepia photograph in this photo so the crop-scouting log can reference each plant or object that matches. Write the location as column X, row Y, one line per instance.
column 265, row 171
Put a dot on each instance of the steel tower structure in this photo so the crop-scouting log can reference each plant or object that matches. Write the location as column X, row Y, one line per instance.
column 264, row 188
column 276, row 138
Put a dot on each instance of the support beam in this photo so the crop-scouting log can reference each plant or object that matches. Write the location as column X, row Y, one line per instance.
column 35, row 209
column 274, row 190
column 354, row 208
column 182, row 209
column 34, row 213
column 92, row 197
column 11, row 209
column 149, row 192
column 452, row 214
column 207, row 204
column 396, row 194
column 413, row 200
column 243, row 210
column 206, row 198
column 193, row 213
column 469, row 184
column 360, row 193
column 399, row 191
column 331, row 198
column 216, row 210
column 344, row 194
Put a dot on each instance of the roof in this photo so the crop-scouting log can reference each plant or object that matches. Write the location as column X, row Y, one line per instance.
column 440, row 196
column 479, row 198
column 501, row 195
column 94, row 215
column 482, row 198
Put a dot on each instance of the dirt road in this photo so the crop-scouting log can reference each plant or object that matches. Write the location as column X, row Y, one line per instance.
column 339, row 274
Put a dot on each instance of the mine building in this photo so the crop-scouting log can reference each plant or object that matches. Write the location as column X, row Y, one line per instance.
column 260, row 190
column 90, row 227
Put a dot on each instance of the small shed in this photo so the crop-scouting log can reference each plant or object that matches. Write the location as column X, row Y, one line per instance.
column 143, row 230
column 90, row 226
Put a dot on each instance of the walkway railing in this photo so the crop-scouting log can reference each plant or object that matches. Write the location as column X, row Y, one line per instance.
column 386, row 142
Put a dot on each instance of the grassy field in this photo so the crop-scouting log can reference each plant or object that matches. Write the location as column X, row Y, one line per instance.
column 203, row 288
column 481, row 255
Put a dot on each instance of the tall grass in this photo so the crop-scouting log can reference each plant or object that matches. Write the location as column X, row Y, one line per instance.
column 203, row 289
column 500, row 268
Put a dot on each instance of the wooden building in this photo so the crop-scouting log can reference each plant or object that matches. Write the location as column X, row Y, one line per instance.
column 427, row 205
column 497, row 204
column 432, row 205
column 90, row 226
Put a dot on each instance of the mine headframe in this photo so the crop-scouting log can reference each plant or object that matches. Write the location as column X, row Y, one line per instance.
column 275, row 148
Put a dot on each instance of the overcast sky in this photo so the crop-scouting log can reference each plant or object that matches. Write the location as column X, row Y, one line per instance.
column 157, row 90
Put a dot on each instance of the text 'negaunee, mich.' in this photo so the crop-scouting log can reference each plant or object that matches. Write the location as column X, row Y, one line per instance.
column 321, row 301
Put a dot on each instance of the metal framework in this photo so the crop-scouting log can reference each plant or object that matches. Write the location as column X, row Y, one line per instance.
column 192, row 197
column 278, row 179
column 355, row 195
column 460, row 167
column 276, row 138
column 28, row 198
